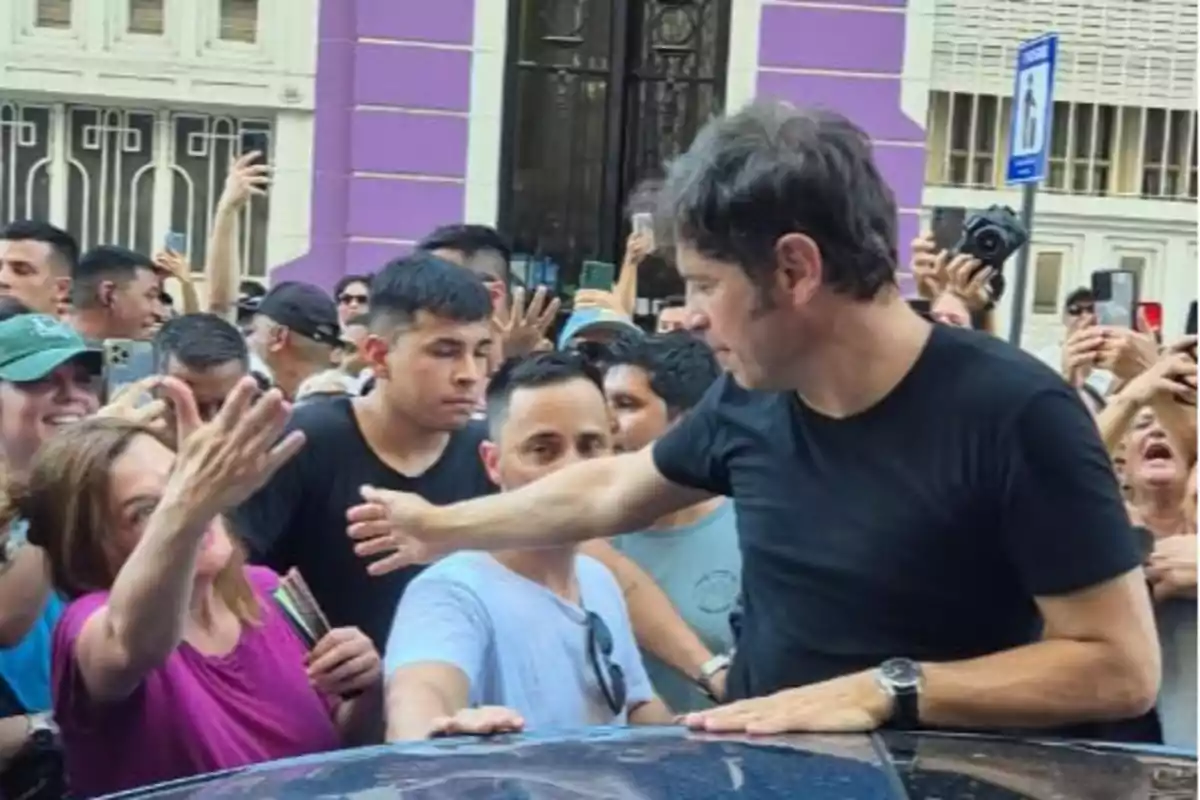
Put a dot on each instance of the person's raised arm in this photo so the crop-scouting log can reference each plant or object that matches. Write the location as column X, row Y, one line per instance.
column 247, row 178
column 593, row 499
column 1164, row 386
column 141, row 622
column 24, row 588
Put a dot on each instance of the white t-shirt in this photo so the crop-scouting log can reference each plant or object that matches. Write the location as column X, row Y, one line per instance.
column 520, row 645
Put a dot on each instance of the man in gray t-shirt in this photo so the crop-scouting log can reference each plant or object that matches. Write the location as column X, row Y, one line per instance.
column 532, row 639
column 692, row 555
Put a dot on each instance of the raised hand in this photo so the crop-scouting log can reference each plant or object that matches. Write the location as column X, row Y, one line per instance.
column 521, row 327
column 174, row 264
column 392, row 526
column 222, row 462
column 971, row 281
column 1172, row 376
column 131, row 405
column 248, row 177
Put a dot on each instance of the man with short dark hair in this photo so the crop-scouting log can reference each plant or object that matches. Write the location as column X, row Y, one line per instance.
column 931, row 531
column 116, row 293
column 477, row 636
column 428, row 344
column 692, row 554
column 205, row 352
column 294, row 332
column 36, row 262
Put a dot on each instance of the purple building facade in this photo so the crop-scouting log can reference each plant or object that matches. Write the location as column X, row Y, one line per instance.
column 394, row 111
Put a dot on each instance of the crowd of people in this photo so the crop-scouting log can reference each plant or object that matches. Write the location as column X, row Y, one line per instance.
column 791, row 503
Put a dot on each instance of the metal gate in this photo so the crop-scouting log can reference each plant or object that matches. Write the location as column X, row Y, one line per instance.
column 599, row 95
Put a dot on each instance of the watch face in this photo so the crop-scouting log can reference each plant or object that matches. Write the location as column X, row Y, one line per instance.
column 901, row 673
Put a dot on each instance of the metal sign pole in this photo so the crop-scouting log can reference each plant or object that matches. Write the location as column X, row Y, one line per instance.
column 1028, row 146
column 1028, row 195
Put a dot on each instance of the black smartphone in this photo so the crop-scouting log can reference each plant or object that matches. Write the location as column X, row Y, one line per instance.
column 1116, row 293
column 1190, row 329
column 947, row 227
column 256, row 142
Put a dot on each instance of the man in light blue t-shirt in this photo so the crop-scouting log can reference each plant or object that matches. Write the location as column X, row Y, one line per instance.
column 693, row 554
column 537, row 639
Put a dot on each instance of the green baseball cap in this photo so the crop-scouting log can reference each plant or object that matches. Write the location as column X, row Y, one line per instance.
column 34, row 345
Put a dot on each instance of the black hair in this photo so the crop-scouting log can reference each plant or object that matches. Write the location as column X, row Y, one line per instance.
column 106, row 262
column 200, row 342
column 424, row 282
column 12, row 307
column 773, row 169
column 679, row 366
column 347, row 280
column 61, row 243
column 531, row 372
column 469, row 240
column 1081, row 295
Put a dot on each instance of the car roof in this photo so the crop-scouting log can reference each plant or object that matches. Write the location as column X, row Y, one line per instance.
column 671, row 763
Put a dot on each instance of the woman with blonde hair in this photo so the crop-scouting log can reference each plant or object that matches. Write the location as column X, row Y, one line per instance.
column 172, row 658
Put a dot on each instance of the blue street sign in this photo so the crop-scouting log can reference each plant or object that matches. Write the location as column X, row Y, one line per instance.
column 1033, row 110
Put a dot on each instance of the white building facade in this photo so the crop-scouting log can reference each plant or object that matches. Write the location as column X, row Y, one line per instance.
column 1121, row 189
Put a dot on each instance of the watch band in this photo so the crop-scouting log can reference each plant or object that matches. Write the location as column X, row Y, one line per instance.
column 709, row 670
column 901, row 679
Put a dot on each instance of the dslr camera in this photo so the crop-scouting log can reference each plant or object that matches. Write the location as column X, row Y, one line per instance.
column 992, row 236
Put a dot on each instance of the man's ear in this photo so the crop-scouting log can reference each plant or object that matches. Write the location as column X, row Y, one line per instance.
column 799, row 268
column 106, row 292
column 375, row 350
column 489, row 454
column 62, row 288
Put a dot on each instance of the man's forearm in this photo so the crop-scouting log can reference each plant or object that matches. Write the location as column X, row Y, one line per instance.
column 1050, row 683
column 1115, row 420
column 656, row 623
column 591, row 500
column 222, row 265
column 411, row 709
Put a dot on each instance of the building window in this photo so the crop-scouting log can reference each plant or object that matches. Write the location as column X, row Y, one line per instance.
column 146, row 17
column 114, row 160
column 1168, row 153
column 239, row 21
column 1081, row 148
column 24, row 155
column 1134, row 264
column 53, row 14
column 1047, row 279
column 972, row 134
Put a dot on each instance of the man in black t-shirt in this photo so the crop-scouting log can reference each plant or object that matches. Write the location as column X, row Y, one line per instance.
column 931, row 531
column 428, row 346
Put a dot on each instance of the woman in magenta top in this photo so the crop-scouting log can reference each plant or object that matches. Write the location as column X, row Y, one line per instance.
column 172, row 659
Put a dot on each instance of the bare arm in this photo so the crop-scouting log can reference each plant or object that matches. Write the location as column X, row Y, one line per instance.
column 656, row 624
column 1098, row 660
column 594, row 499
column 1114, row 420
column 651, row 712
column 142, row 622
column 24, row 587
column 418, row 695
column 14, row 732
column 247, row 178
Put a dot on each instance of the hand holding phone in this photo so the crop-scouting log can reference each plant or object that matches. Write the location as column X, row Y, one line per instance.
column 643, row 225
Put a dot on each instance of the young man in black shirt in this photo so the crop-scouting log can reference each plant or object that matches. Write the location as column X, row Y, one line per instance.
column 931, row 531
column 428, row 347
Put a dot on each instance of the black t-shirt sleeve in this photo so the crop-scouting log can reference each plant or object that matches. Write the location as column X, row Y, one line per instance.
column 1062, row 517
column 692, row 452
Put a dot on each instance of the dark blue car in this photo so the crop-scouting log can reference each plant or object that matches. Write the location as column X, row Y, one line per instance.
column 671, row 764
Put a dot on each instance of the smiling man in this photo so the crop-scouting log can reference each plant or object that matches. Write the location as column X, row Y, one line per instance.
column 932, row 535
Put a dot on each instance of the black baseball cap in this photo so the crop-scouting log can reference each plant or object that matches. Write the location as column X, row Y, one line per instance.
column 303, row 308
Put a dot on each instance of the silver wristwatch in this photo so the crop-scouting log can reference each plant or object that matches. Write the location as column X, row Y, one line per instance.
column 709, row 670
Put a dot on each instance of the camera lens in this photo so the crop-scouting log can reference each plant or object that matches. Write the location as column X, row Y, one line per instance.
column 989, row 241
